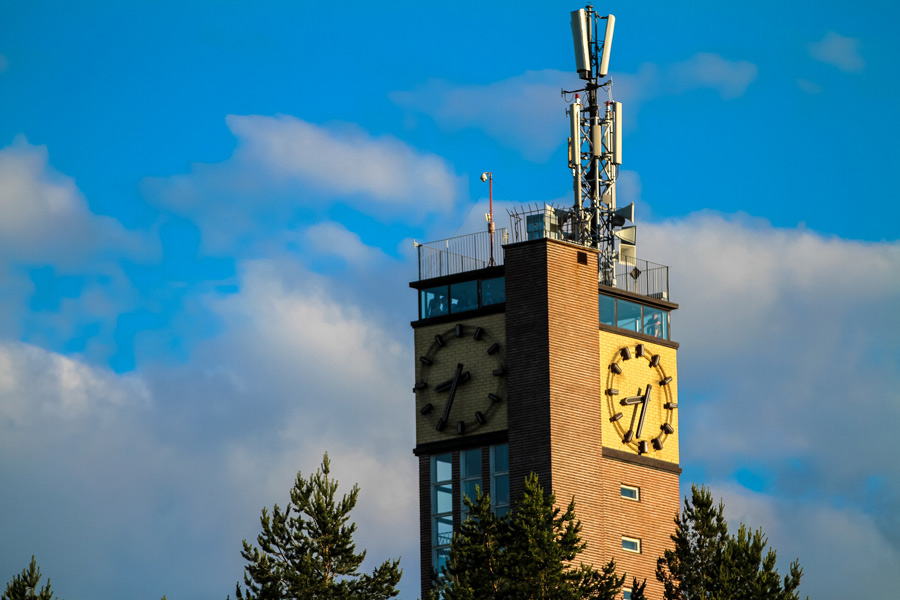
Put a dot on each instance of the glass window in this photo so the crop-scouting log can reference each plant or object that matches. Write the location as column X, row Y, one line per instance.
column 464, row 296
column 656, row 322
column 433, row 302
column 631, row 544
column 441, row 508
column 500, row 479
column 470, row 476
column 629, row 316
column 631, row 492
column 626, row 594
column 607, row 310
column 493, row 291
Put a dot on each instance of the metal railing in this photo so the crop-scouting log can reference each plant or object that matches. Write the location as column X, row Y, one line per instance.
column 643, row 277
column 460, row 254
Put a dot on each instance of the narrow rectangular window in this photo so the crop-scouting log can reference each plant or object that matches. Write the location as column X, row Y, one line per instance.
column 433, row 302
column 626, row 594
column 493, row 291
column 500, row 479
column 463, row 296
column 441, row 509
column 631, row 492
column 631, row 544
column 470, row 477
column 607, row 310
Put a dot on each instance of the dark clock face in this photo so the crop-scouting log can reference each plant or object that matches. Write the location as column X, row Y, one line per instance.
column 461, row 381
column 639, row 399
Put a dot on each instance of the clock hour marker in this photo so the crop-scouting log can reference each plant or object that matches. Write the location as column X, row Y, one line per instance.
column 616, row 417
column 479, row 416
column 639, row 350
column 478, row 333
column 612, row 392
column 642, row 447
column 670, row 405
column 426, row 361
column 654, row 361
column 427, row 409
column 626, row 353
column 615, row 368
column 420, row 386
column 657, row 443
column 459, row 330
column 665, row 381
column 440, row 341
column 667, row 428
column 494, row 398
column 629, row 435
column 494, row 347
column 460, row 427
column 499, row 372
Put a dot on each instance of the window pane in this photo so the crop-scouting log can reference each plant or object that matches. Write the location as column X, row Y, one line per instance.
column 630, row 492
column 441, row 557
column 500, row 491
column 433, row 301
column 629, row 315
column 631, row 544
column 442, row 468
column 443, row 499
column 626, row 595
column 470, row 465
column 493, row 291
column 463, row 296
column 655, row 322
column 501, row 458
column 443, row 530
column 607, row 310
column 469, row 489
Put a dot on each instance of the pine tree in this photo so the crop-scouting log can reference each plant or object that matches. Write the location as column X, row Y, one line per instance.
column 527, row 556
column 25, row 586
column 707, row 562
column 307, row 550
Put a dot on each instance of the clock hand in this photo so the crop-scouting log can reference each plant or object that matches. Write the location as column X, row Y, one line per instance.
column 631, row 400
column 646, row 401
column 629, row 435
column 443, row 387
column 453, row 385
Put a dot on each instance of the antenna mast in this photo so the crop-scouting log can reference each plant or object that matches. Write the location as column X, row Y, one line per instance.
column 595, row 148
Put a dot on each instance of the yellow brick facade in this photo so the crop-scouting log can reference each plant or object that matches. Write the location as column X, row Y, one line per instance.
column 636, row 373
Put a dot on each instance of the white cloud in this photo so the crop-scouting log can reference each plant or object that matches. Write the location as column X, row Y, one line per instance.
column 810, row 87
column 289, row 170
column 829, row 542
column 707, row 70
column 526, row 113
column 838, row 51
column 43, row 216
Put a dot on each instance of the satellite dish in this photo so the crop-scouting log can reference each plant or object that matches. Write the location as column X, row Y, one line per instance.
column 628, row 235
column 607, row 46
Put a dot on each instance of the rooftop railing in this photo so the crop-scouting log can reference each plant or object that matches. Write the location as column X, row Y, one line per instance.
column 461, row 254
column 643, row 277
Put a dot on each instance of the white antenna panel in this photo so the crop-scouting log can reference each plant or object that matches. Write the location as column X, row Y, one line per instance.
column 617, row 133
column 575, row 131
column 607, row 46
column 580, row 38
column 628, row 255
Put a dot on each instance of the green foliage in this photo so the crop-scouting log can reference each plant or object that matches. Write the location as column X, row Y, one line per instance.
column 25, row 586
column 527, row 556
column 709, row 563
column 307, row 550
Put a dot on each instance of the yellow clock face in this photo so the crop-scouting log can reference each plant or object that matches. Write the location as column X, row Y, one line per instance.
column 639, row 400
column 460, row 385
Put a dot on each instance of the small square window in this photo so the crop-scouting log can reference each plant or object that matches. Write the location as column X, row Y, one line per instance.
column 631, row 492
column 631, row 544
column 626, row 594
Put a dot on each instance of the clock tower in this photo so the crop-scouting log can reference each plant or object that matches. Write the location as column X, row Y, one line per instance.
column 546, row 348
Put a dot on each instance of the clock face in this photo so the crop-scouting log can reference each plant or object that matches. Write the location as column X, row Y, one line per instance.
column 461, row 380
column 639, row 400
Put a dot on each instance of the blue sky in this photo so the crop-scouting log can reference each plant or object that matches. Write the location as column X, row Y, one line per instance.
column 207, row 215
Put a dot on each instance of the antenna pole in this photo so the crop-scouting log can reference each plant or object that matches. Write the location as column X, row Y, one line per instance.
column 489, row 217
